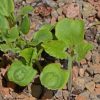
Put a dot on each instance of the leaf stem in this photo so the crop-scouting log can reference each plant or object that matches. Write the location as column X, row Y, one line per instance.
column 39, row 66
column 70, row 62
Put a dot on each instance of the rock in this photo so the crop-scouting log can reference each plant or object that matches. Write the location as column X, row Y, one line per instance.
column 89, row 64
column 53, row 20
column 80, row 98
column 65, row 94
column 47, row 95
column 71, row 10
column 93, row 96
column 64, row 7
column 43, row 10
column 54, row 13
column 61, row 4
column 86, row 94
column 97, row 90
column 18, row 1
column 23, row 97
column 85, row 66
column 34, row 4
column 96, row 78
column 59, row 11
column 91, row 36
column 47, row 20
column 88, row 10
column 96, row 68
column 90, row 86
column 50, row 3
column 87, row 79
column 90, row 70
column 30, row 1
column 36, row 90
column 79, row 83
column 23, row 3
column 81, row 72
column 98, row 28
column 75, row 71
column 86, row 74
column 66, row 1
column 59, row 94
column 96, row 57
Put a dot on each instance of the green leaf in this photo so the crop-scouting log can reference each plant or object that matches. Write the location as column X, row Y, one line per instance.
column 29, row 54
column 6, row 7
column 53, row 77
column 56, row 49
column 25, row 25
column 4, row 47
column 42, row 36
column 3, row 23
column 21, row 43
column 82, row 49
column 70, row 31
column 21, row 74
column 9, row 47
column 48, row 27
column 12, row 34
column 25, row 10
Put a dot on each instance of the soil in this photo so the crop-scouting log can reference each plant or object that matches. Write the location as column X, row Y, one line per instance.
column 86, row 75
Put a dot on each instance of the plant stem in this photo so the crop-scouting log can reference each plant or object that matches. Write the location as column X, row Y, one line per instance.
column 70, row 61
column 39, row 65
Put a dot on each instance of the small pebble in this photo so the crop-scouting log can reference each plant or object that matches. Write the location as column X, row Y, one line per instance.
column 96, row 78
column 90, row 86
column 50, row 3
column 87, row 79
column 54, row 13
column 59, row 11
column 81, row 72
column 53, row 20
column 36, row 90
column 79, row 83
column 97, row 90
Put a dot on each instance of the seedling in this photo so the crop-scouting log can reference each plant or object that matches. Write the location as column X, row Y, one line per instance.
column 67, row 43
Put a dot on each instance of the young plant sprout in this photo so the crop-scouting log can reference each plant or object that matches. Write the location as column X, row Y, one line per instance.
column 62, row 41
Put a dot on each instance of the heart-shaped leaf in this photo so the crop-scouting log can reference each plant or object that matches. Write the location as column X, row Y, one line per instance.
column 25, row 10
column 6, row 7
column 70, row 31
column 56, row 49
column 9, row 47
column 53, row 77
column 3, row 23
column 42, row 36
column 12, row 34
column 21, row 74
column 82, row 49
